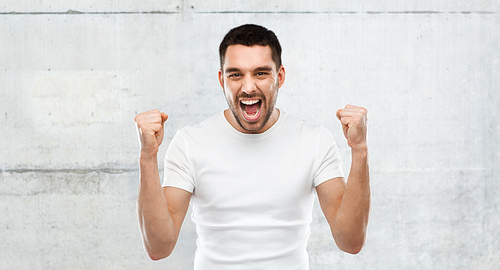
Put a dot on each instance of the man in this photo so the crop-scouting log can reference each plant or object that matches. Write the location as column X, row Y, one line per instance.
column 251, row 171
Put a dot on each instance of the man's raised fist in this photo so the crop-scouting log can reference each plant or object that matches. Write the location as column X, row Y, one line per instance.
column 150, row 131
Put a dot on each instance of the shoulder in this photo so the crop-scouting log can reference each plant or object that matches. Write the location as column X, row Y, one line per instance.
column 210, row 130
column 303, row 126
column 203, row 128
column 303, row 131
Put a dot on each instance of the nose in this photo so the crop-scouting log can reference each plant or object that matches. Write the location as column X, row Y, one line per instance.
column 248, row 86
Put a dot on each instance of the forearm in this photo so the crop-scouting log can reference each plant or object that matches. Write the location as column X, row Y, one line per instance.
column 155, row 221
column 352, row 215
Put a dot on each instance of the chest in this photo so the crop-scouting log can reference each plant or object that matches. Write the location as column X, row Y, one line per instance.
column 254, row 180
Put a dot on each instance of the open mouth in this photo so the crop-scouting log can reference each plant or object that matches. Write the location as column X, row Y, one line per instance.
column 251, row 108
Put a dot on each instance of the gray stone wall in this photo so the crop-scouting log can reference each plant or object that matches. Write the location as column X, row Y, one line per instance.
column 73, row 75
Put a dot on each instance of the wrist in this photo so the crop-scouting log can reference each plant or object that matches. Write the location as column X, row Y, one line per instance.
column 360, row 150
column 148, row 157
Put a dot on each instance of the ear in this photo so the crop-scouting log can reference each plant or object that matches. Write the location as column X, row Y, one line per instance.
column 221, row 79
column 281, row 76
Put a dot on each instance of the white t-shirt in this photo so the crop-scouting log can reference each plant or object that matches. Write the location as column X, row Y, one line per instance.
column 252, row 193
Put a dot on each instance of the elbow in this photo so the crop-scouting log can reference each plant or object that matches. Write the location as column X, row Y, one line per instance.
column 352, row 245
column 159, row 252
column 159, row 255
column 155, row 257
column 351, row 240
column 355, row 249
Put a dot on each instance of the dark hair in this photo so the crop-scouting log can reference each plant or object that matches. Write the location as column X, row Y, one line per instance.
column 250, row 35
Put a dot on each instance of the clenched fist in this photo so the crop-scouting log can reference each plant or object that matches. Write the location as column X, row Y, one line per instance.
column 353, row 121
column 150, row 130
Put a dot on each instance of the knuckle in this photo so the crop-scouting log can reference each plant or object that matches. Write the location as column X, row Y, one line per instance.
column 138, row 122
column 138, row 117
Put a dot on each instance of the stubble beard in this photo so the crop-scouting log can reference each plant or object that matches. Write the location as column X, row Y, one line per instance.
column 271, row 105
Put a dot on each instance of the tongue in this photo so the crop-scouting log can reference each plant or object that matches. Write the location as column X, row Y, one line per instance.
column 252, row 109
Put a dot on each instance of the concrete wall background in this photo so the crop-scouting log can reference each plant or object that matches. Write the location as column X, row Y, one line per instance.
column 73, row 76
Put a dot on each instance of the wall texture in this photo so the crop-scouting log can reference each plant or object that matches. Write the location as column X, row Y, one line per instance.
column 73, row 75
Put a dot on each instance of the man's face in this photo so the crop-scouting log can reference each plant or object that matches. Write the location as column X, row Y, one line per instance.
column 251, row 82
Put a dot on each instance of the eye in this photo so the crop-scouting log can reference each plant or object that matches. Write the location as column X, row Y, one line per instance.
column 260, row 74
column 234, row 75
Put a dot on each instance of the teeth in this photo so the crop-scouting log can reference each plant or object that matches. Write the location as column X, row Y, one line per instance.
column 249, row 102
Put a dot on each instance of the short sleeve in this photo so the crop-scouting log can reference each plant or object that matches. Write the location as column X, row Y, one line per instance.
column 328, row 159
column 177, row 171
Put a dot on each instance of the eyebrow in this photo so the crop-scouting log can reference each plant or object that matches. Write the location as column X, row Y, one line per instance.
column 264, row 68
column 229, row 70
column 261, row 68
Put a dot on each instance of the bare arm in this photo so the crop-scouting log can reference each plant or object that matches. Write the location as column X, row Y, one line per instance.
column 347, row 205
column 161, row 211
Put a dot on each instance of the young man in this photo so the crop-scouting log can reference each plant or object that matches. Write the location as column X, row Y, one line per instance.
column 251, row 171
